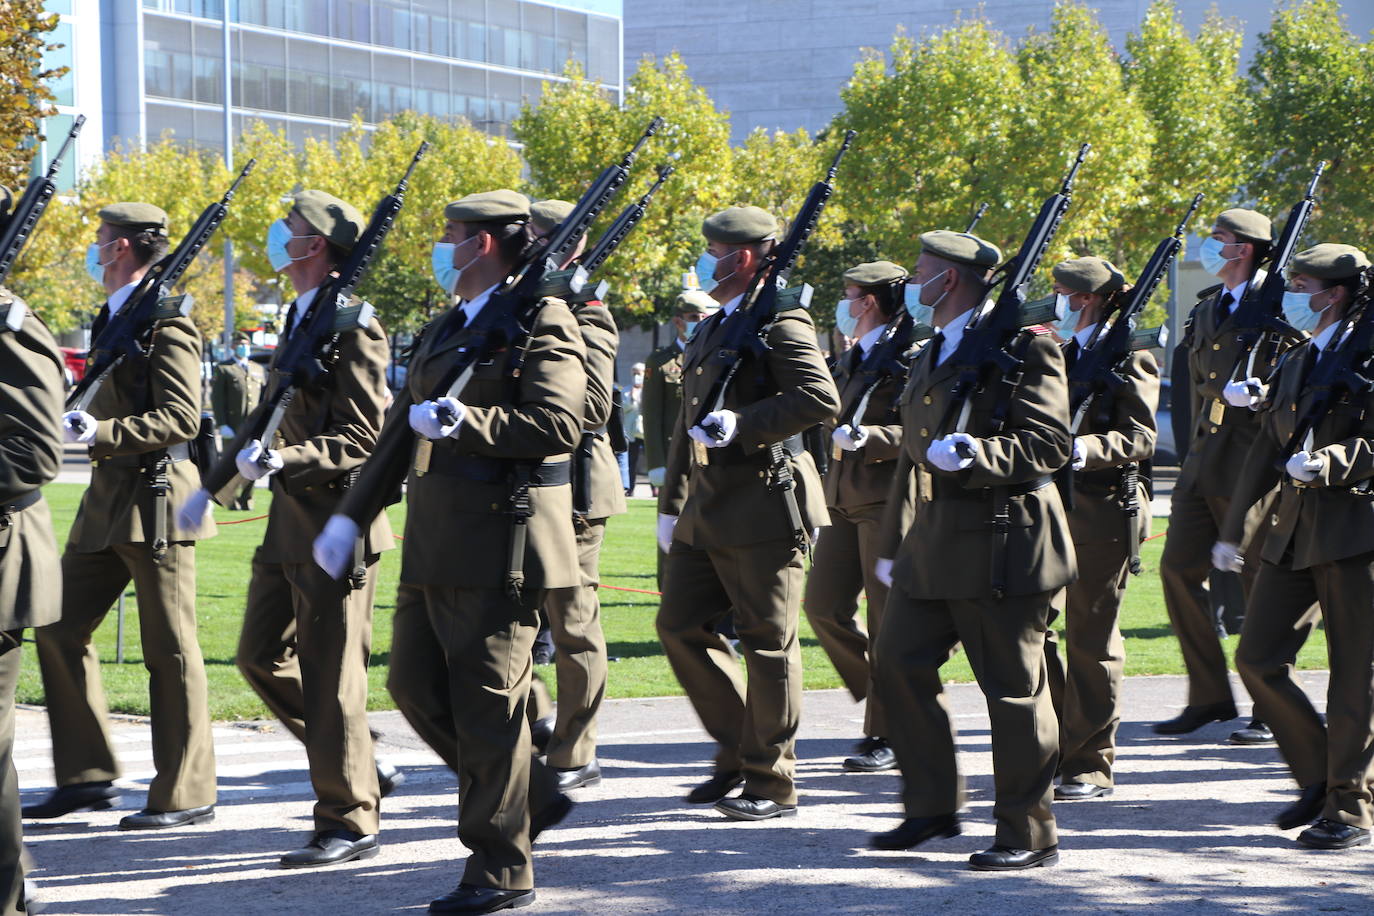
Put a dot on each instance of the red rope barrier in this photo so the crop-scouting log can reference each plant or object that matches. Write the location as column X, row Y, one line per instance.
column 240, row 521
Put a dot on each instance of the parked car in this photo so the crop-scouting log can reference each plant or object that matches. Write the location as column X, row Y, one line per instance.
column 76, row 364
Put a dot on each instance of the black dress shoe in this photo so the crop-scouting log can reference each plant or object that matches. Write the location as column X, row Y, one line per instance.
column 330, row 847
column 549, row 815
column 81, row 796
column 1254, row 733
column 715, row 788
column 388, row 778
column 1305, row 810
column 1325, row 834
column 1007, row 858
column 469, row 898
column 1077, row 791
column 148, row 819
column 916, row 830
column 541, row 733
column 874, row 756
column 1194, row 717
column 577, row 777
column 754, row 808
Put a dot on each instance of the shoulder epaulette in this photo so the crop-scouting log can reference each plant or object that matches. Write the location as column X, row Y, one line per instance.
column 1210, row 291
column 178, row 306
column 13, row 311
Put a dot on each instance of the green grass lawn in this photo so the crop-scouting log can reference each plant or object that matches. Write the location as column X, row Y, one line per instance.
column 627, row 561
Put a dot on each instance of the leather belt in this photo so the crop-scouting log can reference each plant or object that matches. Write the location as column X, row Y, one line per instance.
column 482, row 469
column 175, row 453
column 735, row 452
column 943, row 489
column 22, row 503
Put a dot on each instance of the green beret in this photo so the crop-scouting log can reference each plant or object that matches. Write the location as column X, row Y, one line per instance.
column 1329, row 261
column 243, row 336
column 875, row 273
column 6, row 200
column 338, row 221
column 547, row 215
column 132, row 215
column 1089, row 275
column 740, row 226
column 1248, row 223
column 490, row 207
column 694, row 300
column 961, row 248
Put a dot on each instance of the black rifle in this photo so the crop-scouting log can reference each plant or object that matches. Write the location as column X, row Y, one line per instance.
column 977, row 217
column 1259, row 314
column 35, row 199
column 765, row 299
column 126, row 333
column 885, row 361
column 306, row 355
column 610, row 240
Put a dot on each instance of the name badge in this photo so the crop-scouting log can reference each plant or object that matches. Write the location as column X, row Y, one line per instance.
column 1218, row 412
column 423, row 449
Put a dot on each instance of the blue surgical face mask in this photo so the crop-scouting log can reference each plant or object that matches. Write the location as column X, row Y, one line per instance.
column 279, row 235
column 241, row 351
column 1212, row 259
column 441, row 261
column 845, row 322
column 911, row 297
column 706, row 270
column 93, row 265
column 1297, row 310
column 1066, row 324
column 689, row 328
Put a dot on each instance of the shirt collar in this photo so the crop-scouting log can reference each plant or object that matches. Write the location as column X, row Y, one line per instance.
column 1084, row 335
column 303, row 301
column 953, row 333
column 119, row 297
column 1324, row 339
column 729, row 307
column 474, row 306
column 866, row 342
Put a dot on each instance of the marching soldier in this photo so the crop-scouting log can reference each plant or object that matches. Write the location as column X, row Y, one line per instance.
column 1116, row 437
column 234, row 393
column 729, row 534
column 30, row 576
column 1318, row 546
column 1224, row 429
column 137, row 432
column 856, row 491
column 306, row 637
column 499, row 447
column 947, row 573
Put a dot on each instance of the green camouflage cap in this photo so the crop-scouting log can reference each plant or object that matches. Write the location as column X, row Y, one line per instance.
column 490, row 207
column 740, row 226
column 338, row 221
column 694, row 300
column 1329, row 261
column 1089, row 275
column 133, row 215
column 243, row 336
column 1248, row 223
column 548, row 215
column 875, row 273
column 961, row 248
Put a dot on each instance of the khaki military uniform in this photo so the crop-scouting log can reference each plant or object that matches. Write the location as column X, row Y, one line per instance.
column 857, row 486
column 942, row 592
column 660, row 405
column 306, row 637
column 30, row 575
column 1315, row 545
column 1087, row 696
column 145, row 408
column 234, row 394
column 734, row 547
column 1222, row 437
column 455, row 624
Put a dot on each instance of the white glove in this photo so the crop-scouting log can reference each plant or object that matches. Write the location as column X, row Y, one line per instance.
column 1226, row 557
column 666, row 524
column 943, row 453
column 226, row 433
column 255, row 462
column 1247, row 393
column 425, row 419
column 850, row 442
column 882, row 568
column 78, row 427
column 333, row 549
column 657, row 476
column 1304, row 466
column 1078, row 460
column 727, row 421
column 193, row 510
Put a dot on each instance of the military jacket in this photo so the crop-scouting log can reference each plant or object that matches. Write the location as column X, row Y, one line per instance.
column 234, row 392
column 863, row 477
column 661, row 402
column 601, row 339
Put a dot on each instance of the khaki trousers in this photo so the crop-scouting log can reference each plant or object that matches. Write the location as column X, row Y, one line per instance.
column 842, row 566
column 755, row 726
column 1277, row 623
column 460, row 674
column 1005, row 643
column 183, row 750
column 304, row 649
column 575, row 620
column 12, row 864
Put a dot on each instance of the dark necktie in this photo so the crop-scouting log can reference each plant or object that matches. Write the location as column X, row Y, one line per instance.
column 290, row 322
column 857, row 359
column 453, row 322
column 1224, row 307
column 934, row 348
column 102, row 318
column 1071, row 353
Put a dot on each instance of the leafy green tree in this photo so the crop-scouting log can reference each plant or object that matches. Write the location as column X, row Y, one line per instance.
column 25, row 96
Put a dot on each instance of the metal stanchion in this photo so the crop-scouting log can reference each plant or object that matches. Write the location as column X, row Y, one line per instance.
column 119, row 630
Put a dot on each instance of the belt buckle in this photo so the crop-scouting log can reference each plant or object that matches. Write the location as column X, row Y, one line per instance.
column 700, row 454
column 423, row 450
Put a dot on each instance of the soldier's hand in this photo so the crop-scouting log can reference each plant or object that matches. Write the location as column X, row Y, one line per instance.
column 666, row 524
column 437, row 419
column 850, row 438
column 255, row 462
column 724, row 423
column 192, row 511
column 1226, row 557
column 333, row 549
column 945, row 454
column 1078, row 460
column 78, row 427
column 1304, row 466
column 1249, row 393
column 882, row 569
column 657, row 476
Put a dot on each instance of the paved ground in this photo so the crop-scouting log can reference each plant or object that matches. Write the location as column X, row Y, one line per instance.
column 1186, row 832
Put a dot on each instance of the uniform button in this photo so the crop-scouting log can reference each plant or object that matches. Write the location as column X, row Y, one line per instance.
column 762, row 473
column 760, row 445
column 695, row 401
column 927, row 400
column 699, row 370
column 496, row 507
column 924, row 431
column 1214, row 429
column 1216, row 346
column 1112, row 488
column 1211, row 375
column 1274, row 519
